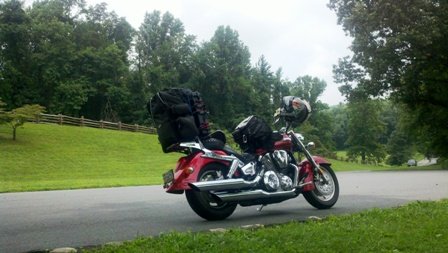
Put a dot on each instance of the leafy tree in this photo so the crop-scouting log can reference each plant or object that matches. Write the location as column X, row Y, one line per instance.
column 164, row 58
column 53, row 50
column 364, row 131
column 280, row 89
column 399, row 147
column 164, row 51
column 224, row 78
column 66, row 57
column 340, row 125
column 102, row 65
column 70, row 96
column 263, row 80
column 2, row 112
column 16, row 85
column 18, row 116
column 399, row 49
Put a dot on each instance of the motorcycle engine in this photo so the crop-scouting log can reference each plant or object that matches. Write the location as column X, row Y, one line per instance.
column 272, row 163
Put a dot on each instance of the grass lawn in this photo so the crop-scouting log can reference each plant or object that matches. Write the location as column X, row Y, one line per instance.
column 418, row 227
column 46, row 157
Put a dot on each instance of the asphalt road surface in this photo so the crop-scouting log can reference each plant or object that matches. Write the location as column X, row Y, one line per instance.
column 74, row 218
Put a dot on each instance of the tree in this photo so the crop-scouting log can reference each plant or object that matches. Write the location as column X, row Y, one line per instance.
column 164, row 58
column 53, row 51
column 101, row 67
column 18, row 116
column 280, row 89
column 2, row 112
column 164, row 51
column 16, row 86
column 223, row 77
column 364, row 131
column 263, row 79
column 399, row 49
column 340, row 125
column 399, row 147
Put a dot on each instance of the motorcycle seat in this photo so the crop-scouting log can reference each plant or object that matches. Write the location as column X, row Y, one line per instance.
column 214, row 143
column 219, row 135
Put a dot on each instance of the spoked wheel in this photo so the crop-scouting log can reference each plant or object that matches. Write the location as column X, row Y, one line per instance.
column 202, row 203
column 326, row 191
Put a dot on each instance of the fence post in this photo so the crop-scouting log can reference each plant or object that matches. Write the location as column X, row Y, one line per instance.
column 136, row 127
column 81, row 123
column 101, row 124
column 119, row 125
column 61, row 120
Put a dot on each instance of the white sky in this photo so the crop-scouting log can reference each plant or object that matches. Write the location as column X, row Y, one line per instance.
column 300, row 36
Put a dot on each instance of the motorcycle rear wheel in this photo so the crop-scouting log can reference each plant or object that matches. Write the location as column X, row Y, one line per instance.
column 326, row 192
column 202, row 203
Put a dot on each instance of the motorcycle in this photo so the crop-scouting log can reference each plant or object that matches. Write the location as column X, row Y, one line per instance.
column 216, row 178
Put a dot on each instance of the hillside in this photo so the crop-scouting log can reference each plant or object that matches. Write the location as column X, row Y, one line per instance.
column 48, row 157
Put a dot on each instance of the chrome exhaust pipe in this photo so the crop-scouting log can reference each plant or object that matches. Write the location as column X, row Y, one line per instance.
column 252, row 195
column 224, row 185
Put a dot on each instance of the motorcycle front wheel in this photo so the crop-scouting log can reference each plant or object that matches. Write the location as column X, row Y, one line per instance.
column 202, row 203
column 326, row 191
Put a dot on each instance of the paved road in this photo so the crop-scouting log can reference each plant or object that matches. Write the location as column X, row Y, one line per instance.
column 45, row 220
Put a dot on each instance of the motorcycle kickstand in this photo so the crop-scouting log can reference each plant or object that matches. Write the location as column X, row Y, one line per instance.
column 260, row 208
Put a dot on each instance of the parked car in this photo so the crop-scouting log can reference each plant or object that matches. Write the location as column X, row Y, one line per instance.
column 412, row 162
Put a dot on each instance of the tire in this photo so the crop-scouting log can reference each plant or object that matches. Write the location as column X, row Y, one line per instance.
column 325, row 194
column 202, row 203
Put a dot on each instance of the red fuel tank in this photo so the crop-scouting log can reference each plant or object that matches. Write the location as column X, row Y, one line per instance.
column 284, row 144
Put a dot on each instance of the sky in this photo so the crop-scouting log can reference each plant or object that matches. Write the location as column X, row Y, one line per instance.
column 300, row 36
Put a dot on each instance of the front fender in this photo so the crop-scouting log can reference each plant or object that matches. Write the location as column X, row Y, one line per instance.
column 181, row 175
column 317, row 159
column 307, row 168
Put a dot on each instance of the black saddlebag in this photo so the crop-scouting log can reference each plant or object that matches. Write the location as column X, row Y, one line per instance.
column 253, row 133
column 179, row 115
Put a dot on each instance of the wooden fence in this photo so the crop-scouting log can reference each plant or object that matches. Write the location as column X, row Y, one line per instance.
column 67, row 120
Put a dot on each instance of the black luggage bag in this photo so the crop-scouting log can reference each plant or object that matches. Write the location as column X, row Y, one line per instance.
column 253, row 133
column 179, row 115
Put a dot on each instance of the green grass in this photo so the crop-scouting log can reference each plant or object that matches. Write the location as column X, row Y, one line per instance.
column 417, row 227
column 47, row 157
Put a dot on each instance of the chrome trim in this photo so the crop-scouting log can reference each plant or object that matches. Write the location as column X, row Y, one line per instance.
column 296, row 175
column 194, row 145
column 251, row 195
column 222, row 185
column 213, row 155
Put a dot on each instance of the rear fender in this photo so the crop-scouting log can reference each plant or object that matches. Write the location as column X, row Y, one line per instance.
column 183, row 176
column 307, row 168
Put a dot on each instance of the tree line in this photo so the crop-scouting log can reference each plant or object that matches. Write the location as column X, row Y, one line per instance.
column 77, row 60
column 84, row 60
column 399, row 51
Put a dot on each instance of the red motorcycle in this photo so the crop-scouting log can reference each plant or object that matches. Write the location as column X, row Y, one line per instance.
column 216, row 179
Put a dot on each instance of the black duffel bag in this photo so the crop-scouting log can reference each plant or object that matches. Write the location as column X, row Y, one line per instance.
column 253, row 133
